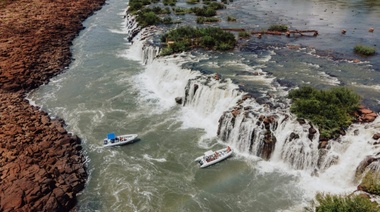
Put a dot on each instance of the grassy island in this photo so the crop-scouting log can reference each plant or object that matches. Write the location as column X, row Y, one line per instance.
column 278, row 28
column 364, row 50
column 352, row 203
column 331, row 110
column 186, row 37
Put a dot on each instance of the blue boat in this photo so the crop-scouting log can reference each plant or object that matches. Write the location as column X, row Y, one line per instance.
column 115, row 140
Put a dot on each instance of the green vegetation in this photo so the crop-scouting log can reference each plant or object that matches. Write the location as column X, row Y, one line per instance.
column 364, row 50
column 278, row 28
column 208, row 1
column 335, row 203
column 148, row 15
column 226, row 1
column 181, row 11
column 231, row 19
column 135, row 5
column 147, row 18
column 216, row 6
column 158, row 10
column 169, row 2
column 244, row 34
column 201, row 20
column 205, row 11
column 209, row 10
column 330, row 110
column 192, row 1
column 186, row 37
column 167, row 20
column 371, row 182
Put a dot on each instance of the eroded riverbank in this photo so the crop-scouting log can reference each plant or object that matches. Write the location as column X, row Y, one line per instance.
column 41, row 166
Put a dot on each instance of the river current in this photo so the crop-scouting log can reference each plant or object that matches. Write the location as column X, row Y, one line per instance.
column 107, row 88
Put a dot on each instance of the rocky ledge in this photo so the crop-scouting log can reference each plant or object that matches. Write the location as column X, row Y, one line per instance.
column 41, row 165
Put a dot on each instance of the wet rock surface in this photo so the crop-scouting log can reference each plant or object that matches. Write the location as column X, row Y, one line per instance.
column 41, row 165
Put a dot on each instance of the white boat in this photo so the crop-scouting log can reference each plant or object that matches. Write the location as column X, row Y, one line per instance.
column 211, row 157
column 113, row 140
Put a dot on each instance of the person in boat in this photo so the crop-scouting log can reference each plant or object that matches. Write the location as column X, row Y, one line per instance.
column 228, row 149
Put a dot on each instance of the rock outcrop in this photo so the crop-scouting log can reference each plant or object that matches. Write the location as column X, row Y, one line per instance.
column 41, row 165
column 365, row 115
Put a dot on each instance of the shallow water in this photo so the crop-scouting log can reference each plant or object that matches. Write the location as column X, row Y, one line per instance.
column 104, row 91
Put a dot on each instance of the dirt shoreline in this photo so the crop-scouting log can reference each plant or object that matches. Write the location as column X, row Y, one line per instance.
column 42, row 167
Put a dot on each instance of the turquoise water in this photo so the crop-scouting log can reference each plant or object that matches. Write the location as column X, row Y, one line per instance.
column 102, row 91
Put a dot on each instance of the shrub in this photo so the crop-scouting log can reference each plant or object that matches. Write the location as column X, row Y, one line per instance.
column 231, row 19
column 134, row 6
column 201, row 20
column 356, row 203
column 147, row 18
column 278, row 28
column 330, row 110
column 216, row 6
column 187, row 37
column 169, row 2
column 224, row 46
column 364, row 50
column 166, row 51
column 371, row 182
column 181, row 10
column 244, row 34
column 167, row 20
column 159, row 10
column 207, row 41
column 192, row 1
column 205, row 11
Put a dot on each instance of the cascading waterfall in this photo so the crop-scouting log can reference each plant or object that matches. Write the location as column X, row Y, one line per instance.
column 272, row 133
column 143, row 48
column 206, row 96
column 266, row 133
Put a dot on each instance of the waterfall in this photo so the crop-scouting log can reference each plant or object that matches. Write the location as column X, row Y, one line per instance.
column 268, row 131
column 206, row 94
column 131, row 25
column 143, row 48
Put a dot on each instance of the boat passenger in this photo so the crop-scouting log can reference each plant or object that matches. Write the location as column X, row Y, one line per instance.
column 228, row 149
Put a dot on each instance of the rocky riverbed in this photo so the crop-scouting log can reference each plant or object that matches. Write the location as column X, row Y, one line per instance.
column 41, row 165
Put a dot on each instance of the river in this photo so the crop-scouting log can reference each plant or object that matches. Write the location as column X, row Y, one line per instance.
column 106, row 89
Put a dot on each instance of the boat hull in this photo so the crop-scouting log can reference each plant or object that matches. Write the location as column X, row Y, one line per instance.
column 208, row 160
column 120, row 140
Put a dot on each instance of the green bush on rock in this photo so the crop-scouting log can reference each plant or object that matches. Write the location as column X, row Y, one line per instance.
column 356, row 203
column 186, row 37
column 147, row 18
column 244, row 34
column 278, row 28
column 330, row 110
column 371, row 182
column 364, row 50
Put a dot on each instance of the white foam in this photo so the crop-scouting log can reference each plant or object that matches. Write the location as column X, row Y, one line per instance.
column 148, row 157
